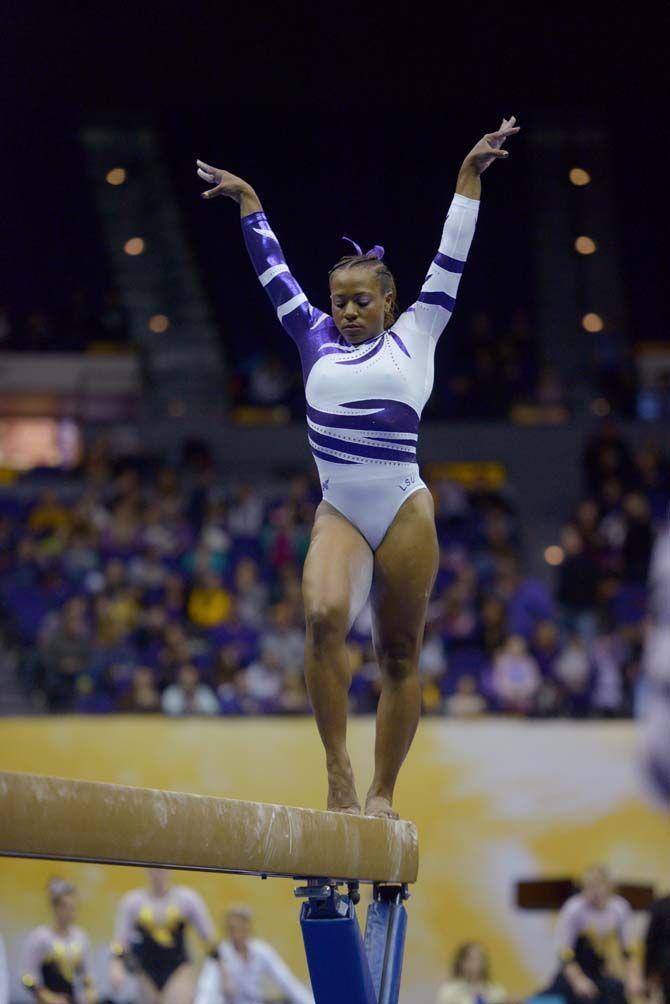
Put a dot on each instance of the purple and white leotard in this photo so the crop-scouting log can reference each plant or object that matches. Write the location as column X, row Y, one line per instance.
column 364, row 402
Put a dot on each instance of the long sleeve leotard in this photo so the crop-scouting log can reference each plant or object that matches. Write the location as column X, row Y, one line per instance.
column 364, row 401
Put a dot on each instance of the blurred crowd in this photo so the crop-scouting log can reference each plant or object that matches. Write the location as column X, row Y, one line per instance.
column 136, row 586
column 86, row 319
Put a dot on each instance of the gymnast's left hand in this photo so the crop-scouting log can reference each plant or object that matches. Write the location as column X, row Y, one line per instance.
column 489, row 147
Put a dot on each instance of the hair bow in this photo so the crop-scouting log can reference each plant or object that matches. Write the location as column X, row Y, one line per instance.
column 377, row 251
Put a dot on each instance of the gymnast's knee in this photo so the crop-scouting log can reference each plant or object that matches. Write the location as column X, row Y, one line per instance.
column 399, row 661
column 326, row 625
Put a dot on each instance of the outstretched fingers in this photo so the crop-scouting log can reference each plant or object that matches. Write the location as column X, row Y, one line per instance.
column 211, row 175
column 206, row 167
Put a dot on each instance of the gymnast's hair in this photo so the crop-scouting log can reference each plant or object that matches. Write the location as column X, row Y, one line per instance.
column 381, row 272
column 57, row 888
column 458, row 963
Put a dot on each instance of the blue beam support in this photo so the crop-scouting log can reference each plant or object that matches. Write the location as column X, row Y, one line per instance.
column 338, row 966
column 385, row 943
column 343, row 968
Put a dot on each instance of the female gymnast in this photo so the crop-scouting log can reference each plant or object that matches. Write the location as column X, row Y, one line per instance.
column 367, row 378
column 56, row 965
column 150, row 939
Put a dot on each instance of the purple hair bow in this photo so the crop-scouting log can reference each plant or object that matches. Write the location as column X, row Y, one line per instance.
column 377, row 250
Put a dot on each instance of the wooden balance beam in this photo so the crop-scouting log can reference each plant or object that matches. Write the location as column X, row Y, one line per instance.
column 67, row 820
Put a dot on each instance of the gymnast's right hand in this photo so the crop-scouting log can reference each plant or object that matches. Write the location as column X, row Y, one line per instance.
column 230, row 185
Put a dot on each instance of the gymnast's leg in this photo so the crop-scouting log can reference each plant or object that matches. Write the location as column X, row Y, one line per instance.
column 404, row 572
column 147, row 991
column 180, row 988
column 335, row 585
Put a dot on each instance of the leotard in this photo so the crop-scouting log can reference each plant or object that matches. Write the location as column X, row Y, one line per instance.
column 364, row 401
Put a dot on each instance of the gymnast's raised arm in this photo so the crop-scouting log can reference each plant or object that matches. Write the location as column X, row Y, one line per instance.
column 437, row 299
column 294, row 311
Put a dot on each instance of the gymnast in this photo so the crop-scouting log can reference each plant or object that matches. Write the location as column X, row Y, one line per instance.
column 367, row 378
column 150, row 940
column 56, row 965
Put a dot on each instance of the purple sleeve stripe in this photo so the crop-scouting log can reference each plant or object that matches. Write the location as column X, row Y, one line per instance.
column 449, row 264
column 439, row 300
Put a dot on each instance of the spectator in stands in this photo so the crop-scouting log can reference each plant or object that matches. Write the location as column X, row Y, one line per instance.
column 270, row 382
column 49, row 514
column 638, row 538
column 263, row 680
column 577, row 584
column 545, row 646
column 245, row 514
column 466, row 701
column 527, row 600
column 286, row 642
column 244, row 965
column 516, row 677
column 189, row 696
column 574, row 671
column 144, row 695
column 608, row 658
column 209, row 604
column 606, row 455
column 493, row 624
column 67, row 657
column 251, row 592
column 471, row 981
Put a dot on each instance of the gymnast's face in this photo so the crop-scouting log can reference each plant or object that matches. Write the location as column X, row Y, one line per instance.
column 597, row 887
column 65, row 909
column 358, row 303
column 239, row 929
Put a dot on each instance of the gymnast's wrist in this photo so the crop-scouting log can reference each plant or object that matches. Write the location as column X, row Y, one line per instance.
column 469, row 182
column 249, row 202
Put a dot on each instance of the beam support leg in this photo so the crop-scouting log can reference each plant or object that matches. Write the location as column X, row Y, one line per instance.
column 338, row 965
column 385, row 940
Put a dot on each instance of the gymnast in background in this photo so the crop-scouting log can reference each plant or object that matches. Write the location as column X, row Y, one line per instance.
column 368, row 375
column 596, row 946
column 150, row 940
column 56, row 963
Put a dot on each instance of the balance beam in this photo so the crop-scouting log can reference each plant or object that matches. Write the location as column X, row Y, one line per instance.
column 67, row 820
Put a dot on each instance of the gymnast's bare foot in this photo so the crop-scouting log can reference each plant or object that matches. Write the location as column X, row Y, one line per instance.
column 342, row 795
column 379, row 805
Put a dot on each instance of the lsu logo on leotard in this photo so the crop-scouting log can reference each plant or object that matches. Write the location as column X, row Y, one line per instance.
column 405, row 484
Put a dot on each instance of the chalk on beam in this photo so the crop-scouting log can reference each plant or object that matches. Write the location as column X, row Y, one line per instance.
column 61, row 819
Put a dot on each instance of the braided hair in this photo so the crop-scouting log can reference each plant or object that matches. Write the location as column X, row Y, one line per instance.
column 381, row 271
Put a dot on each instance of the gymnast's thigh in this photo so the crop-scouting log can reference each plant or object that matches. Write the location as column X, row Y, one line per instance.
column 180, row 988
column 405, row 567
column 147, row 991
column 338, row 568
